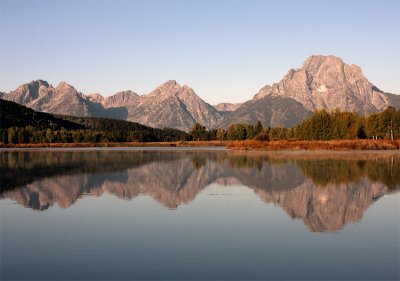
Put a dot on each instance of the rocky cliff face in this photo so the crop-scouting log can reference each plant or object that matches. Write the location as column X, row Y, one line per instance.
column 121, row 99
column 227, row 107
column 95, row 97
column 41, row 96
column 323, row 82
column 326, row 82
column 173, row 106
column 29, row 92
column 170, row 105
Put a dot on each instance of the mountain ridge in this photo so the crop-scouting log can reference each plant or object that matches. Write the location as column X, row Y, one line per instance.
column 322, row 82
column 326, row 82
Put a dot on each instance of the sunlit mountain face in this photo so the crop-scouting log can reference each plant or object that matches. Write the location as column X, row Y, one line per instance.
column 325, row 191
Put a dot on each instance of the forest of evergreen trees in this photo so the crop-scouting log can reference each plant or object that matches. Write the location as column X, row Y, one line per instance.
column 19, row 124
column 322, row 125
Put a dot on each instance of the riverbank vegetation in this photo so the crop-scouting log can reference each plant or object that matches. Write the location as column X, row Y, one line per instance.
column 314, row 145
column 21, row 126
column 321, row 126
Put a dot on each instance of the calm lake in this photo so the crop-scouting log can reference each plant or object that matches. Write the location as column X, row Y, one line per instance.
column 199, row 214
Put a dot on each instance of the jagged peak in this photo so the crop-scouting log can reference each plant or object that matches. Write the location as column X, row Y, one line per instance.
column 316, row 61
column 41, row 82
column 35, row 83
column 171, row 87
column 96, row 97
column 323, row 58
column 170, row 84
column 188, row 90
column 64, row 86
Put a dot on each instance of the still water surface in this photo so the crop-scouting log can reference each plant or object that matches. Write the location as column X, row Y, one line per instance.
column 199, row 214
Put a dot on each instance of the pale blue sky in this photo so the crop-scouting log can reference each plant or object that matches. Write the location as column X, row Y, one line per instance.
column 224, row 50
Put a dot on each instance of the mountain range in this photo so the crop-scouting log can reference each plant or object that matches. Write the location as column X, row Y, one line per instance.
column 323, row 82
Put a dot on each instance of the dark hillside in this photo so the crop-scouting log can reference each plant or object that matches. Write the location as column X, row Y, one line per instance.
column 14, row 115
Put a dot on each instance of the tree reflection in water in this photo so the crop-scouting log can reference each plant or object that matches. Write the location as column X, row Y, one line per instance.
column 325, row 190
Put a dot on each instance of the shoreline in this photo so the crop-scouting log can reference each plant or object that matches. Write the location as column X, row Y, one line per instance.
column 331, row 145
column 117, row 144
column 295, row 145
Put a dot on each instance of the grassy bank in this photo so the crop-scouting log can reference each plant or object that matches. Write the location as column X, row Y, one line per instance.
column 314, row 145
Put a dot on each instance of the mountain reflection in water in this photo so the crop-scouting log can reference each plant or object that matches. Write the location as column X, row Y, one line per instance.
column 324, row 191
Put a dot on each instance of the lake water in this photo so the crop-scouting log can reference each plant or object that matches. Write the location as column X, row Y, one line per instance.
column 199, row 214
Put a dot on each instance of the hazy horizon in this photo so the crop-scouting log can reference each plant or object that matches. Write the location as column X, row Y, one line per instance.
column 225, row 50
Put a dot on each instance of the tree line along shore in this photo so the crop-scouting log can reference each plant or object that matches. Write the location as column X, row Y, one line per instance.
column 344, row 145
column 23, row 127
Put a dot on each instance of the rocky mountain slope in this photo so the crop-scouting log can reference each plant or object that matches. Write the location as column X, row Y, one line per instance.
column 273, row 111
column 326, row 82
column 172, row 105
column 227, row 107
column 121, row 99
column 323, row 82
column 41, row 96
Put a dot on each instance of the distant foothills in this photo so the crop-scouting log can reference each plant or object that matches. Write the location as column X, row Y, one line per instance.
column 323, row 100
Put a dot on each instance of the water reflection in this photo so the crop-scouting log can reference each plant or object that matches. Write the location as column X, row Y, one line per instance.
column 324, row 191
